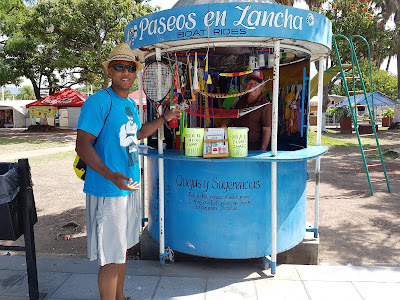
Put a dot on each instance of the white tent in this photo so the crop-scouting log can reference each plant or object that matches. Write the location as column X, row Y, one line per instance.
column 19, row 112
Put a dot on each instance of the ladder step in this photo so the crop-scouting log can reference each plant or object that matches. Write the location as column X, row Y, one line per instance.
column 347, row 65
column 364, row 120
column 378, row 180
column 368, row 134
column 376, row 165
column 369, row 150
column 351, row 77
column 356, row 92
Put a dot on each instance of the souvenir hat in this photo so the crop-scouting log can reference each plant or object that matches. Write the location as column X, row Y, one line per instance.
column 122, row 52
column 256, row 75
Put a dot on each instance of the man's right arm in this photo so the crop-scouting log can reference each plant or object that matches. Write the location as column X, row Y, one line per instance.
column 88, row 154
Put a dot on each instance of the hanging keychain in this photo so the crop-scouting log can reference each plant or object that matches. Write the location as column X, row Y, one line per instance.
column 196, row 86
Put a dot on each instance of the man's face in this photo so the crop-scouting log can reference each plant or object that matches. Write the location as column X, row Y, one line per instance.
column 121, row 79
column 251, row 84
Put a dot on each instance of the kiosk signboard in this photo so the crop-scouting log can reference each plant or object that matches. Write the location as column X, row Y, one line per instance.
column 217, row 20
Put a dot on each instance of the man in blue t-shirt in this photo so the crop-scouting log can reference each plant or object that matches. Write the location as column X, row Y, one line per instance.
column 107, row 141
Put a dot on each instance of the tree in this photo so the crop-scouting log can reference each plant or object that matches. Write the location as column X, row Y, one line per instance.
column 383, row 81
column 11, row 12
column 7, row 95
column 25, row 54
column 356, row 17
column 389, row 8
column 9, row 7
column 70, row 40
column 26, row 93
column 86, row 32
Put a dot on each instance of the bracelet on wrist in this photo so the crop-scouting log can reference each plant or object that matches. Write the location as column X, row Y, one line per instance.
column 165, row 122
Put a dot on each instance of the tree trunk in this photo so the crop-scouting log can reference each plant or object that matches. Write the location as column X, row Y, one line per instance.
column 388, row 63
column 36, row 88
column 106, row 81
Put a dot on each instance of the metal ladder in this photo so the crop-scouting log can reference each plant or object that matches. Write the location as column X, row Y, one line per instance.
column 350, row 74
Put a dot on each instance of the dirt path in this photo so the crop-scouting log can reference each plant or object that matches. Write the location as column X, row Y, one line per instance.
column 355, row 227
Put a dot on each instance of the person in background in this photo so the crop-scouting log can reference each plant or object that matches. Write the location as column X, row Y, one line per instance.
column 259, row 121
column 113, row 175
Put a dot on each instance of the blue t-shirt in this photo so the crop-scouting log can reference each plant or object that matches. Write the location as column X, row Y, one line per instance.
column 117, row 144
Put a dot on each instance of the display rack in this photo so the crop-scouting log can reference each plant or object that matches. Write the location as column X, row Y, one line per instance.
column 211, row 143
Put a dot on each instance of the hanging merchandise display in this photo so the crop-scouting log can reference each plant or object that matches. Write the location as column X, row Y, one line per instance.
column 196, row 86
column 157, row 81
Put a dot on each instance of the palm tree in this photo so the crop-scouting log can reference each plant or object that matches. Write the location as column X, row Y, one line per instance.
column 26, row 93
column 8, row 95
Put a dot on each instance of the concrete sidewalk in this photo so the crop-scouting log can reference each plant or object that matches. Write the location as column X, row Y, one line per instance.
column 67, row 278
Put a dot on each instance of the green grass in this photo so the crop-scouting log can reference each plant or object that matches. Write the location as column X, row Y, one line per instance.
column 20, row 141
column 27, row 144
column 43, row 160
column 387, row 153
column 327, row 140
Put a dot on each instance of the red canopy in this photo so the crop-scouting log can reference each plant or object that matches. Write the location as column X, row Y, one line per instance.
column 65, row 98
column 135, row 96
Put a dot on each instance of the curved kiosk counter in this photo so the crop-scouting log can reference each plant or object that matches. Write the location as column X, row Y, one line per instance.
column 221, row 208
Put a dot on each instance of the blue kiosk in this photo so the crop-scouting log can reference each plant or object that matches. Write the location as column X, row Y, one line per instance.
column 247, row 207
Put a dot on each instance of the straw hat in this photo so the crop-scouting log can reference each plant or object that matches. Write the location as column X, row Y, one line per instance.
column 122, row 52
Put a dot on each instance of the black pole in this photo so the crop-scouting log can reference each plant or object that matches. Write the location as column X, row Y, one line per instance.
column 28, row 215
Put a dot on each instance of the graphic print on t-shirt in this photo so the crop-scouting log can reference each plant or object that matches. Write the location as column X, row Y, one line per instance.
column 128, row 138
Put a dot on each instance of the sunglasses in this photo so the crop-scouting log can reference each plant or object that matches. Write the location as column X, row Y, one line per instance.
column 121, row 68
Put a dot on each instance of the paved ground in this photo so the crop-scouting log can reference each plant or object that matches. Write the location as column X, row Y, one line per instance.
column 215, row 280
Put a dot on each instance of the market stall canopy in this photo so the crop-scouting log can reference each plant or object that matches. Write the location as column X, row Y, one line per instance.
column 64, row 98
column 135, row 96
column 379, row 100
column 335, row 99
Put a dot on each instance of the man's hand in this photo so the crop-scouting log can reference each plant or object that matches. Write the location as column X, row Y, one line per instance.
column 124, row 182
column 148, row 128
column 173, row 114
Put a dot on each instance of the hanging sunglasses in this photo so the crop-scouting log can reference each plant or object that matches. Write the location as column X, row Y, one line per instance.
column 121, row 68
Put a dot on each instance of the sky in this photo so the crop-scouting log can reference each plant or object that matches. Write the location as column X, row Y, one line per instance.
column 165, row 4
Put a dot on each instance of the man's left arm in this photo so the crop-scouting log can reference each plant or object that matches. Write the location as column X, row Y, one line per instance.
column 266, row 136
column 148, row 128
